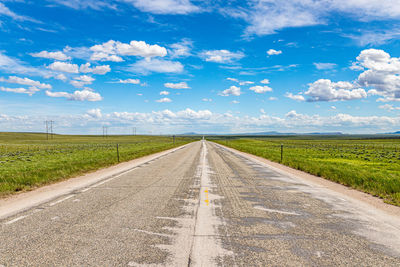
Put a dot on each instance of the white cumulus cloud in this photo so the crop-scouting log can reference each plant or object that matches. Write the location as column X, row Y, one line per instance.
column 181, row 85
column 232, row 79
column 101, row 69
column 261, row 89
column 51, row 55
column 326, row 90
column 265, row 81
column 164, row 100
column 82, row 80
column 273, row 52
column 294, row 97
column 233, row 90
column 94, row 113
column 240, row 82
column 181, row 49
column 25, row 81
column 112, row 50
column 30, row 91
column 100, row 56
column 60, row 77
column 381, row 73
column 131, row 81
column 171, row 7
column 246, row 83
column 221, row 56
column 86, row 94
column 64, row 67
column 389, row 107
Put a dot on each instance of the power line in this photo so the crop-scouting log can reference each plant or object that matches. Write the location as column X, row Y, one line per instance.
column 105, row 131
column 49, row 129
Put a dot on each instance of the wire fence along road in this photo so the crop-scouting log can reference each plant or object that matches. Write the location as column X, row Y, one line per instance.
column 25, row 165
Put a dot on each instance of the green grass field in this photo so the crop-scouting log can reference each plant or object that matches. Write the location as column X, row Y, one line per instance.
column 28, row 160
column 369, row 165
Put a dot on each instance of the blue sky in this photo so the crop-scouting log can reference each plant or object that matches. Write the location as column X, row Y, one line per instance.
column 175, row 66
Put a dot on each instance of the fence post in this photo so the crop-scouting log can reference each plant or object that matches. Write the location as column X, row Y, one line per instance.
column 118, row 152
column 281, row 152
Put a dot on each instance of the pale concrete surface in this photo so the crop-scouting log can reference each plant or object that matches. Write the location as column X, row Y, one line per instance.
column 202, row 205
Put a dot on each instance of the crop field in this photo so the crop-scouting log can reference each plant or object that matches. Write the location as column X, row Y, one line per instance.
column 369, row 165
column 28, row 160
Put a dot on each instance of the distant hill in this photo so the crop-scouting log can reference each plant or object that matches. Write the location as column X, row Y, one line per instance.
column 190, row 133
column 268, row 133
column 328, row 133
column 398, row 132
column 279, row 133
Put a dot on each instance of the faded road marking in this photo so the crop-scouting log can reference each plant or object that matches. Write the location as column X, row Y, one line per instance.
column 85, row 190
column 61, row 200
column 16, row 219
column 275, row 211
column 206, row 200
column 107, row 180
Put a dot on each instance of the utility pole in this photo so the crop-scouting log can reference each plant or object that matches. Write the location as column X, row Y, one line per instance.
column 49, row 129
column 105, row 130
column 134, row 130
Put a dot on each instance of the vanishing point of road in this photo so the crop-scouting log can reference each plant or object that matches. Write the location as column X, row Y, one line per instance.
column 201, row 205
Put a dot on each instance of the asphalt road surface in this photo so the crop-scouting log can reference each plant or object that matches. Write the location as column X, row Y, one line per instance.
column 201, row 205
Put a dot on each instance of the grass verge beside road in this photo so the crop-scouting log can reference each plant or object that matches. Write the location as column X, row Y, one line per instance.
column 29, row 160
column 372, row 166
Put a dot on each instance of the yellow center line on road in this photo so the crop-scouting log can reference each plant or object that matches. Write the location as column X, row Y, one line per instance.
column 206, row 200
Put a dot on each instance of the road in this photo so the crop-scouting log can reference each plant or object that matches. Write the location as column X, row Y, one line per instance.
column 201, row 205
